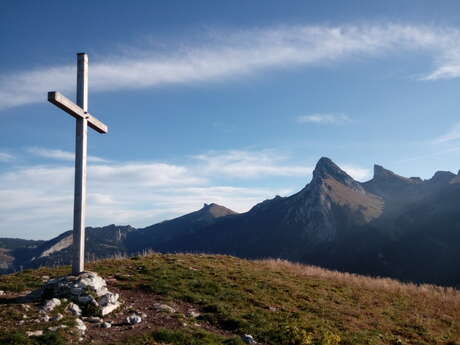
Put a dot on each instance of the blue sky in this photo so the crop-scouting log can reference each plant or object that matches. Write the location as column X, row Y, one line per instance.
column 230, row 102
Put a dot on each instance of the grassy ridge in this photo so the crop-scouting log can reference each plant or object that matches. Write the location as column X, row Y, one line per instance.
column 275, row 301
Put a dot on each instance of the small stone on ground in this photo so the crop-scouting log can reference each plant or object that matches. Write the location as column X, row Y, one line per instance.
column 106, row 325
column 133, row 319
column 164, row 307
column 80, row 325
column 248, row 339
column 51, row 304
column 34, row 333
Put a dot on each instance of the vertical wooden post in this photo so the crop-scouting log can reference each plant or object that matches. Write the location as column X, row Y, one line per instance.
column 78, row 262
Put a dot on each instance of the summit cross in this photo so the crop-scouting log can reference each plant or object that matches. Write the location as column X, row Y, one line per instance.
column 83, row 119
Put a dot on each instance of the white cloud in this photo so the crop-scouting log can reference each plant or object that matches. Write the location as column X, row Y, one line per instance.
column 144, row 174
column 358, row 173
column 60, row 154
column 37, row 201
column 452, row 134
column 244, row 164
column 229, row 55
column 324, row 119
column 5, row 157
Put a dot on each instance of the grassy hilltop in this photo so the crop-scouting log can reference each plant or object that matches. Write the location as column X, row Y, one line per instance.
column 276, row 302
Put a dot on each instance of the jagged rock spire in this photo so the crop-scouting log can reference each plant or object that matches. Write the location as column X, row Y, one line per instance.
column 326, row 168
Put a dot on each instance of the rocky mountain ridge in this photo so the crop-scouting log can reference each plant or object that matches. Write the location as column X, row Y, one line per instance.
column 407, row 228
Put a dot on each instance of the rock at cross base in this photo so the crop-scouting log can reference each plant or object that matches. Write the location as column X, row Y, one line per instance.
column 87, row 291
column 58, row 317
column 74, row 309
column 108, row 298
column 51, row 304
column 80, row 325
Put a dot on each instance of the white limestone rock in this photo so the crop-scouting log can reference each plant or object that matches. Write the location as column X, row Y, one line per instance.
column 58, row 317
column 83, row 289
column 74, row 309
column 248, row 339
column 51, row 304
column 80, row 326
column 93, row 281
column 93, row 319
column 34, row 333
column 109, row 308
column 193, row 313
column 164, row 307
column 108, row 298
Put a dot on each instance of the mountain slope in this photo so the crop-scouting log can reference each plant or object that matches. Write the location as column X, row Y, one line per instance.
column 12, row 248
column 163, row 236
column 100, row 242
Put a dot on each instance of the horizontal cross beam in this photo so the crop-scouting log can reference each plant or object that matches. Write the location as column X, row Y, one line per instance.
column 71, row 108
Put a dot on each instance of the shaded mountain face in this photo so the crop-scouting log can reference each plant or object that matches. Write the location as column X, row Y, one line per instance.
column 100, row 242
column 407, row 228
column 163, row 236
column 332, row 203
column 10, row 248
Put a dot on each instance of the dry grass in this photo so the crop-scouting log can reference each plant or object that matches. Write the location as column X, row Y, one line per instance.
column 424, row 291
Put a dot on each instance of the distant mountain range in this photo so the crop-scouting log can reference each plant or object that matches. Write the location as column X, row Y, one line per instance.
column 405, row 228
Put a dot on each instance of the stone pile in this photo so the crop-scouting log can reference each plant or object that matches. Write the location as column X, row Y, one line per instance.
column 87, row 291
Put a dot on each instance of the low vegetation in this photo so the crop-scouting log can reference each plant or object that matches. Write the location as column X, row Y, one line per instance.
column 275, row 301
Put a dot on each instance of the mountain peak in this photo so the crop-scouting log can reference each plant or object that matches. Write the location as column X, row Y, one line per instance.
column 215, row 210
column 382, row 174
column 380, row 171
column 327, row 168
column 386, row 183
column 442, row 177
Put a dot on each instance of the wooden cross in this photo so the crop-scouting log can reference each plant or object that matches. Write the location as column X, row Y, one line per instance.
column 83, row 119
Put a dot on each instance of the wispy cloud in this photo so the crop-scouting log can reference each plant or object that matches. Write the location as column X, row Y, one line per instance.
column 244, row 164
column 136, row 193
column 60, row 154
column 5, row 157
column 324, row 119
column 452, row 134
column 229, row 55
